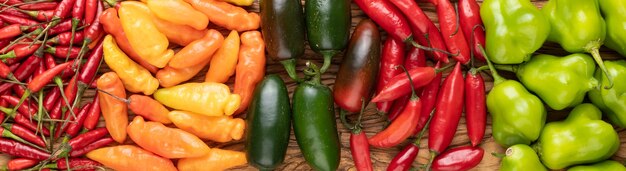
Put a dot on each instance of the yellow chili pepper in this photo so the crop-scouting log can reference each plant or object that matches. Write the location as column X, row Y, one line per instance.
column 198, row 51
column 165, row 141
column 178, row 12
column 211, row 99
column 214, row 128
column 216, row 160
column 135, row 78
column 224, row 60
column 240, row 2
column 175, row 33
column 131, row 158
column 143, row 35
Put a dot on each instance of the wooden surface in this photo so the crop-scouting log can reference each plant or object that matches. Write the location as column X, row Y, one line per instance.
column 374, row 123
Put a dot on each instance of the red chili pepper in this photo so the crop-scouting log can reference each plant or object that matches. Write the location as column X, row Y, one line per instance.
column 63, row 9
column 359, row 146
column 49, row 61
column 95, row 28
column 74, row 164
column 459, row 159
column 19, row 164
column 65, row 38
column 403, row 160
column 63, row 26
column 23, row 121
column 78, row 10
column 448, row 113
column 428, row 33
column 18, row 89
column 22, row 72
column 25, row 108
column 51, row 98
column 62, row 51
column 93, row 116
column 89, row 69
column 13, row 12
column 40, row 15
column 475, row 108
column 469, row 17
column 392, row 58
column 15, row 148
column 451, row 31
column 12, row 2
column 399, row 85
column 55, row 113
column 91, row 8
column 87, row 138
column 4, row 42
column 40, row 70
column 62, row 126
column 45, row 78
column 74, row 127
column 25, row 133
column 95, row 145
column 10, row 31
column 429, row 98
column 40, row 6
column 415, row 58
column 21, row 51
column 18, row 20
column 5, row 71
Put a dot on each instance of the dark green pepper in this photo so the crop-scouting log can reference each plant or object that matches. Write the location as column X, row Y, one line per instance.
column 582, row 138
column 578, row 26
column 282, row 25
column 514, row 30
column 560, row 82
column 521, row 157
column 612, row 101
column 517, row 115
column 328, row 27
column 314, row 122
column 269, row 124
column 602, row 166
column 614, row 12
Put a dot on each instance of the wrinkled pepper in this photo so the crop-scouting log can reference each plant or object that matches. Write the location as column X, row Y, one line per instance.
column 178, row 12
column 514, row 30
column 216, row 159
column 130, row 158
column 582, row 138
column 570, row 78
column 211, row 99
column 578, row 26
column 135, row 78
column 169, row 76
column 250, row 68
column 164, row 141
column 517, row 115
column 521, row 157
column 612, row 101
column 226, row 15
column 614, row 13
column 149, row 108
column 176, row 33
column 601, row 166
column 199, row 51
column 214, row 128
column 224, row 61
column 114, row 111
column 143, row 35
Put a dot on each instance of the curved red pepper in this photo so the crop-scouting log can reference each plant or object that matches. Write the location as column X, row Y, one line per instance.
column 399, row 85
column 401, row 128
column 415, row 58
column 22, row 72
column 20, row 51
column 475, row 107
column 95, row 28
column 74, row 127
column 391, row 58
column 44, row 78
column 469, row 18
column 51, row 98
column 89, row 68
column 26, row 134
column 429, row 98
column 403, row 160
column 451, row 31
column 93, row 116
column 87, row 138
column 20, row 164
column 15, row 148
column 26, row 108
column 95, row 145
column 10, row 31
column 459, row 159
column 388, row 17
column 448, row 113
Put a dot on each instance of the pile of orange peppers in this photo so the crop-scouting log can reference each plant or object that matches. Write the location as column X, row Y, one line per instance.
column 154, row 47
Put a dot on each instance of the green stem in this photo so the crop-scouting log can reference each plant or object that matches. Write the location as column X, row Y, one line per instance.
column 496, row 77
column 316, row 75
column 290, row 67
column 439, row 70
column 8, row 134
column 59, row 83
column 413, row 94
column 11, row 54
column 344, row 121
column 416, row 45
column 596, row 56
column 479, row 69
column 328, row 57
column 419, row 136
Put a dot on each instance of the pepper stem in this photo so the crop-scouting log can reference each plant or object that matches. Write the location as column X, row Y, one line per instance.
column 419, row 136
column 8, row 134
column 328, row 57
column 314, row 74
column 344, row 121
column 494, row 73
column 413, row 94
column 438, row 70
column 290, row 67
column 416, row 45
column 114, row 96
column 596, row 56
column 433, row 154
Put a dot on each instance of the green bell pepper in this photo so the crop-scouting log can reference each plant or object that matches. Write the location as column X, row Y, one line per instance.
column 602, row 166
column 612, row 101
column 614, row 12
column 517, row 115
column 560, row 82
column 514, row 30
column 582, row 138
column 521, row 157
column 578, row 26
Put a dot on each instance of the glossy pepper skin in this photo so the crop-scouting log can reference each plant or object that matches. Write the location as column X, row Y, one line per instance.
column 134, row 76
column 601, row 166
column 214, row 128
column 514, row 30
column 325, row 40
column 251, row 67
column 614, row 13
column 143, row 35
column 216, row 159
column 269, row 124
column 178, row 144
column 359, row 68
column 521, row 157
column 459, row 159
column 211, row 99
column 114, row 111
column 198, row 52
column 227, row 15
column 569, row 78
column 582, row 138
column 176, row 33
column 612, row 101
column 178, row 12
column 224, row 61
column 130, row 158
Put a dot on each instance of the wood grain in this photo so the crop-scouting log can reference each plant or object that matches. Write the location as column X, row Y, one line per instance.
column 373, row 122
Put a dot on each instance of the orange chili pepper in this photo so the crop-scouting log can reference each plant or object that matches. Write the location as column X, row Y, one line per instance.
column 169, row 76
column 227, row 15
column 164, row 141
column 130, row 158
column 114, row 111
column 214, row 128
column 224, row 60
column 135, row 78
column 198, row 51
column 176, row 33
column 216, row 160
column 250, row 68
column 149, row 108
column 178, row 12
column 112, row 25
